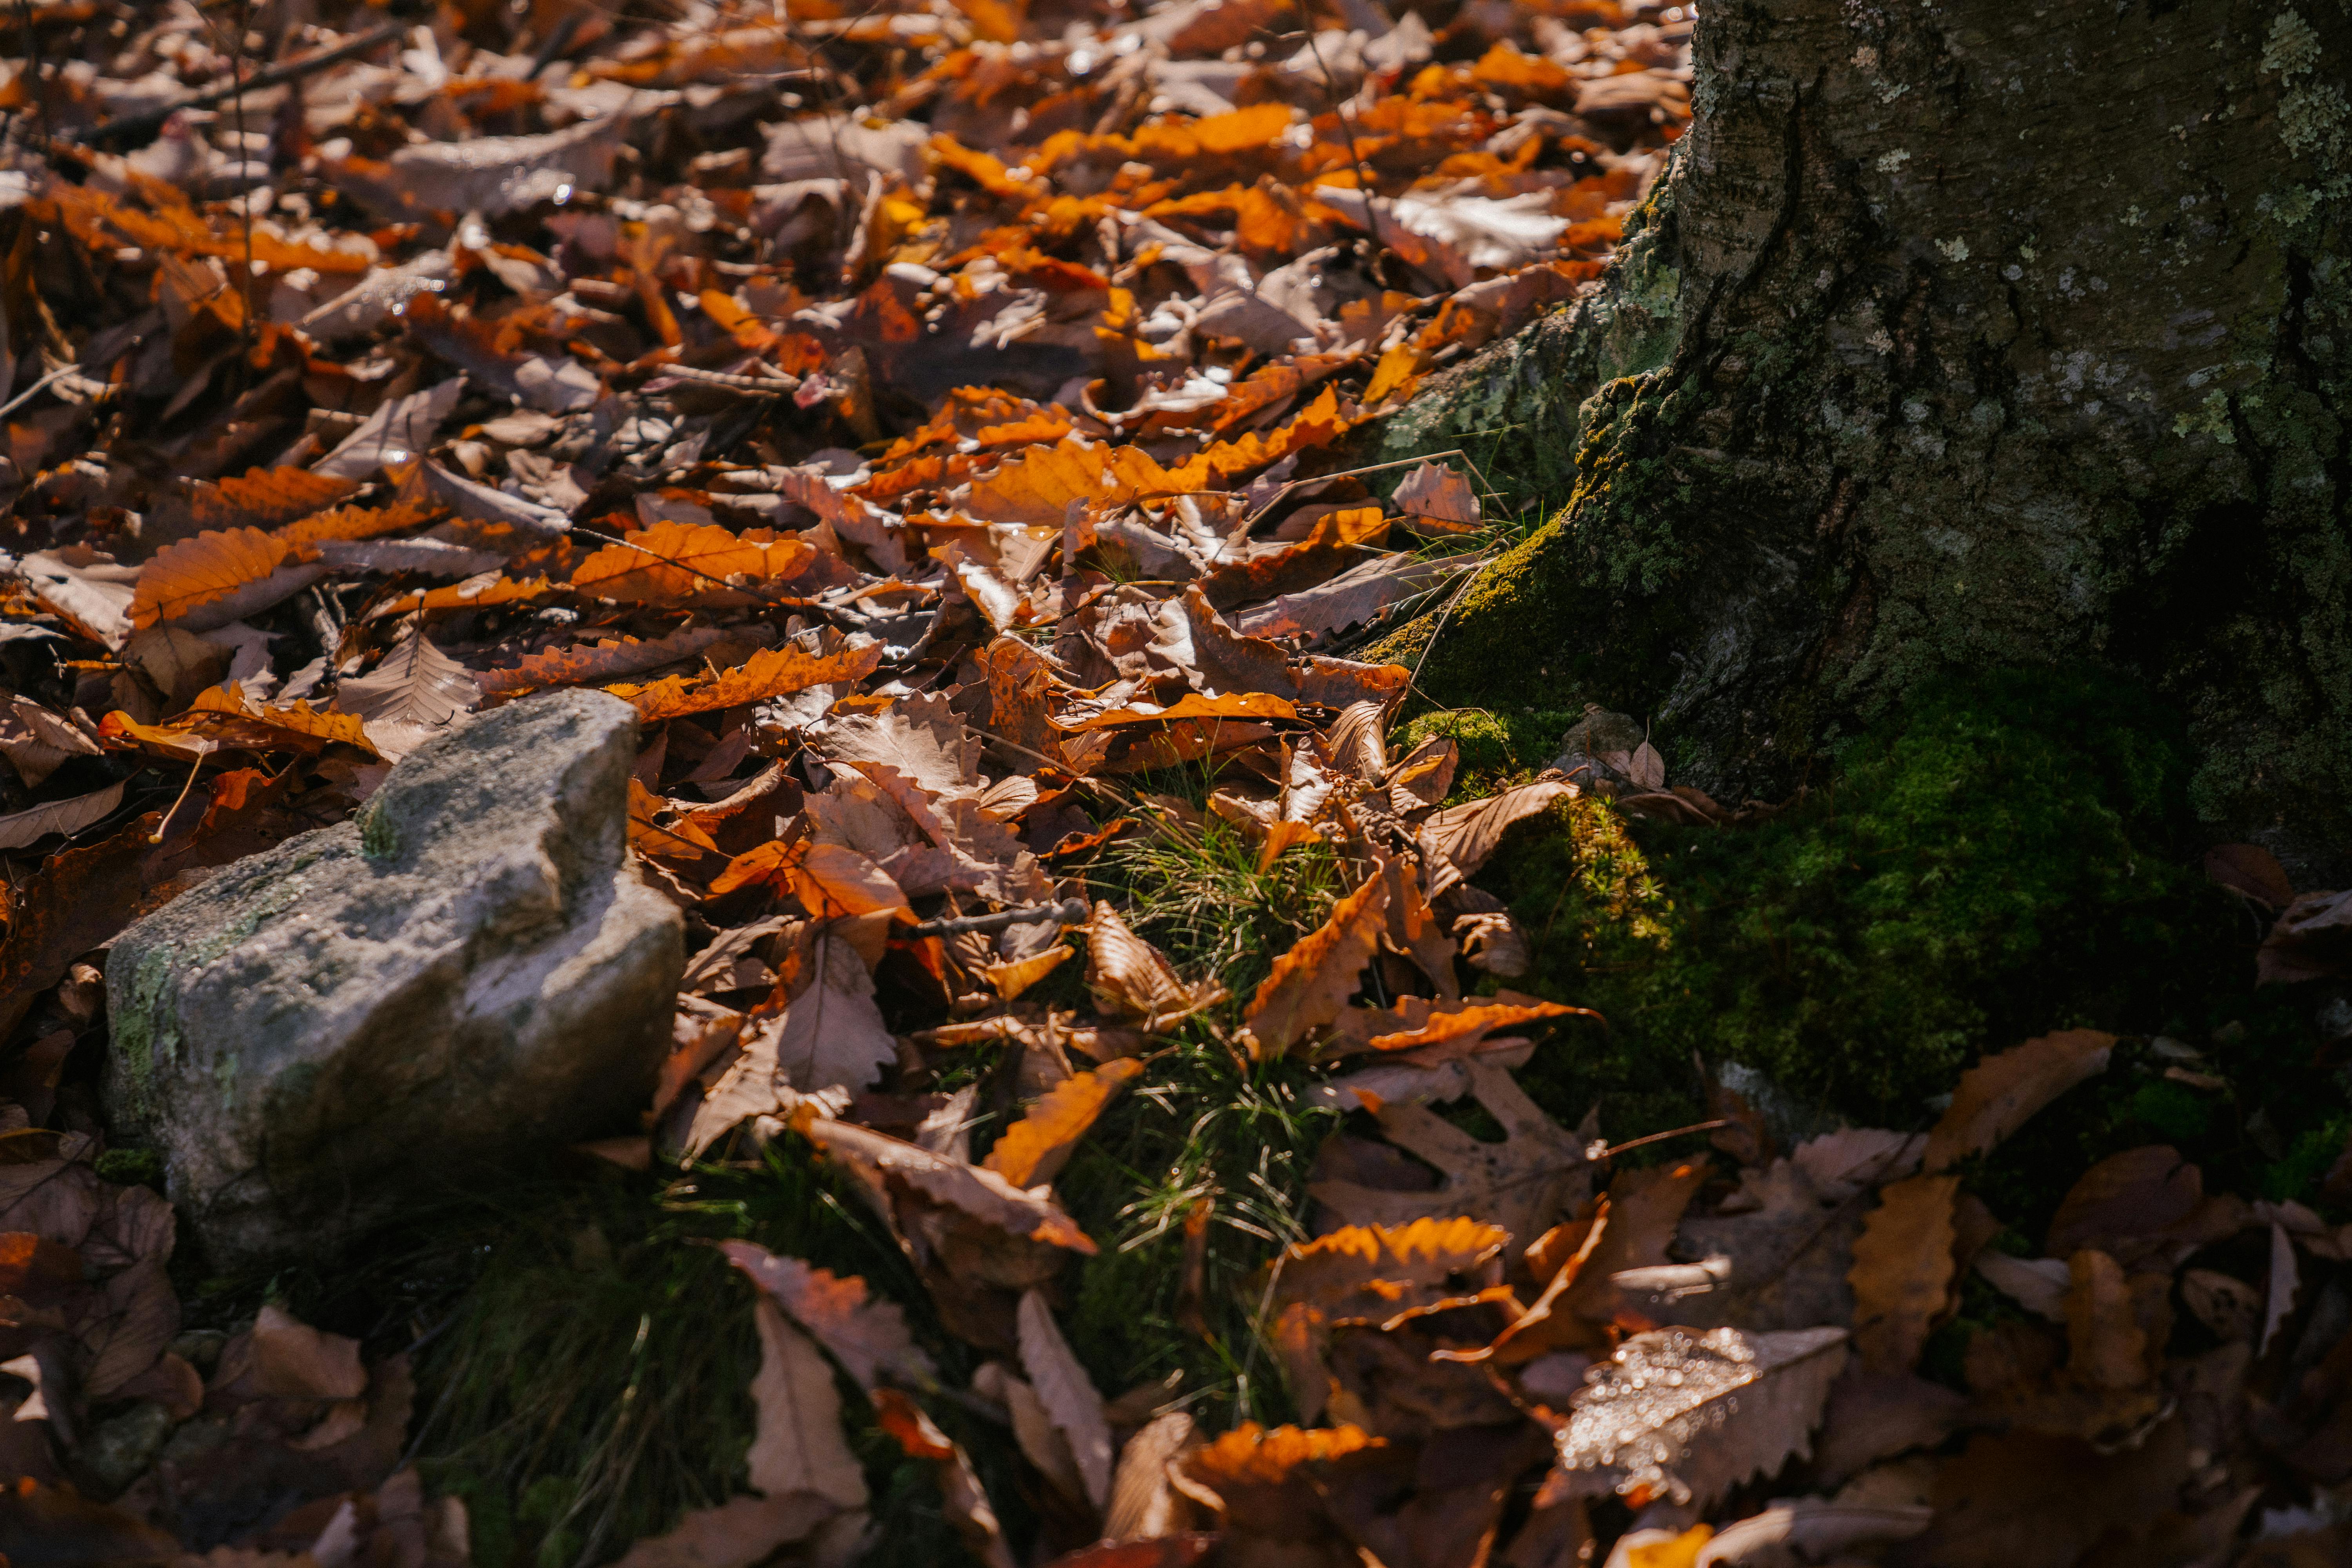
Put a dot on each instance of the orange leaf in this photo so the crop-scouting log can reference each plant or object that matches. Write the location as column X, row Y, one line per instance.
column 1040, row 486
column 472, row 594
column 213, row 565
column 356, row 522
column 1193, row 705
column 672, row 561
column 771, row 672
column 1318, row 423
column 1009, row 980
column 267, row 496
column 1416, row 1023
column 1312, row 982
column 770, row 865
column 904, row 1419
column 1242, row 130
column 1035, row 1148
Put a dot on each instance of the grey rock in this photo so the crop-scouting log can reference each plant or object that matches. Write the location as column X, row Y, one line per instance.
column 469, row 972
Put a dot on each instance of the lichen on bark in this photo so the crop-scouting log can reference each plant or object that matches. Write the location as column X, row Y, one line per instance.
column 1952, row 339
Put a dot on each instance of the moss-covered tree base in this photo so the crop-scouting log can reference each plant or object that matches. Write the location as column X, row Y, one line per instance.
column 1950, row 341
column 2014, row 855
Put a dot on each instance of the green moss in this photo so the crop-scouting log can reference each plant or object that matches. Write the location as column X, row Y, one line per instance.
column 2001, row 866
column 379, row 838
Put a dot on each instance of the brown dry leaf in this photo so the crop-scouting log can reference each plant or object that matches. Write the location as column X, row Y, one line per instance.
column 1131, row 979
column 1688, row 1416
column 416, row 685
column 2107, row 1347
column 1009, row 980
column 738, row 1533
column 868, row 1334
column 283, row 1358
column 1311, row 983
column 1267, row 1482
column 773, row 672
column 2252, row 870
column 1070, row 1400
column 1902, row 1271
column 1035, row 1148
column 596, row 664
column 67, row 816
column 1371, row 1274
column 830, row 1034
column 1443, row 493
column 1537, row 1174
column 798, row 1446
column 1997, row 1095
column 1465, row 836
column 981, row 1193
column 2311, row 940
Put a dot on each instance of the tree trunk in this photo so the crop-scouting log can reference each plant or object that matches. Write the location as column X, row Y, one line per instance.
column 1958, row 335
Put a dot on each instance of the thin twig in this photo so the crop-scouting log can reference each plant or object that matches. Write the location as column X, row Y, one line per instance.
column 292, row 71
column 1069, row 913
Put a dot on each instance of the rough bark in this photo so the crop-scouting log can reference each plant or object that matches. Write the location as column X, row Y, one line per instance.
column 1958, row 335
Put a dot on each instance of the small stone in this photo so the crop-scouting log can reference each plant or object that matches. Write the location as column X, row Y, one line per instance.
column 469, row 973
column 120, row 1448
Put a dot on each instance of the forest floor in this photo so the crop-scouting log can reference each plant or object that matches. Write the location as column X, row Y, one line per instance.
column 1148, row 1087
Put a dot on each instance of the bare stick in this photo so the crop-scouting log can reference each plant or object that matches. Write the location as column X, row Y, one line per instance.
column 276, row 75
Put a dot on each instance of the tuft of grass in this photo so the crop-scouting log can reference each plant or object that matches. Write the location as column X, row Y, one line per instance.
column 1200, row 896
column 584, row 1380
column 1211, row 1135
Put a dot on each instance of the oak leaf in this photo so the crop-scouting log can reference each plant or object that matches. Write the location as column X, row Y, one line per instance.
column 1902, row 1272
column 1535, row 1174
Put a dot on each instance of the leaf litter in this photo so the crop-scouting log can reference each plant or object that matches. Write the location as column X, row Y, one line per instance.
column 936, row 421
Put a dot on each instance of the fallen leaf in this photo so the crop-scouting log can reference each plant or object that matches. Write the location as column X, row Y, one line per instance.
column 798, row 1446
column 738, row 1533
column 866, row 1334
column 1902, row 1271
column 1035, row 1148
column 1131, row 979
column 1997, row 1095
column 1311, row 983
column 1522, row 1184
column 773, row 672
column 1440, row 492
column 1465, row 835
column 1687, row 1418
column 67, row 816
column 1070, row 1399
